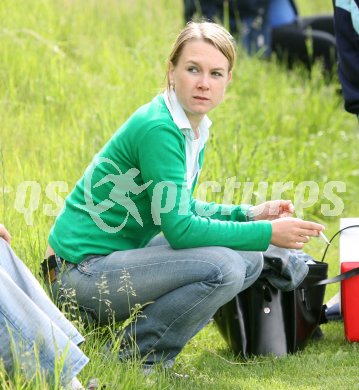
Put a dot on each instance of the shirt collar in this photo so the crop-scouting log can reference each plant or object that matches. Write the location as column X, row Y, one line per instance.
column 180, row 118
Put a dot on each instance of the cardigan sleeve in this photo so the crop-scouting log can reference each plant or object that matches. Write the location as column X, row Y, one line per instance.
column 162, row 161
column 222, row 212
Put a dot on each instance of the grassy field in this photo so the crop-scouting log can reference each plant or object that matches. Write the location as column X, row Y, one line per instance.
column 72, row 71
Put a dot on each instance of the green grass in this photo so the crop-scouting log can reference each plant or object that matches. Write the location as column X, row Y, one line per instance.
column 72, row 71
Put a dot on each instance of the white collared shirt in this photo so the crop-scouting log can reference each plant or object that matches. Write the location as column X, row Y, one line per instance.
column 193, row 146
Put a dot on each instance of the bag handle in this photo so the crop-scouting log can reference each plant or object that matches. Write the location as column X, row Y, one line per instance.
column 338, row 232
column 345, row 275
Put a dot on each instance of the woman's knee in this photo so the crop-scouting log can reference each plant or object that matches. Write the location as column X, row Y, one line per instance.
column 254, row 263
column 230, row 267
column 244, row 270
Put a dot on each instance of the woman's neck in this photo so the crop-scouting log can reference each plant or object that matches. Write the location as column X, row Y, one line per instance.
column 196, row 132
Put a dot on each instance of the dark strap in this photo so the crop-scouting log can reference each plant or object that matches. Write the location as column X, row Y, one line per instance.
column 344, row 276
column 48, row 264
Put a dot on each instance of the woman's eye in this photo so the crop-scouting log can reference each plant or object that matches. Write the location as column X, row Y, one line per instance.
column 217, row 74
column 193, row 69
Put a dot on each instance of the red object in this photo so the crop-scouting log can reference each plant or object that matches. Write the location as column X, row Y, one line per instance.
column 350, row 302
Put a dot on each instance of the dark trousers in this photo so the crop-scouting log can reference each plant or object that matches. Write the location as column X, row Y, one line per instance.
column 307, row 40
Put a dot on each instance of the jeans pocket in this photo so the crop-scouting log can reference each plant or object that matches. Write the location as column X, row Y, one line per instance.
column 85, row 266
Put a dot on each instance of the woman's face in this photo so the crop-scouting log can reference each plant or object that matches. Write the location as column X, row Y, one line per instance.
column 199, row 79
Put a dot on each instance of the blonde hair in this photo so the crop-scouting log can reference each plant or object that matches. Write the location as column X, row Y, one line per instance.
column 209, row 32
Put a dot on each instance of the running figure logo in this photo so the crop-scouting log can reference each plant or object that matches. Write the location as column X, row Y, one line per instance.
column 124, row 183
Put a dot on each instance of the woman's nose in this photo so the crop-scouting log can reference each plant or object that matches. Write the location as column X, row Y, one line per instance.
column 203, row 82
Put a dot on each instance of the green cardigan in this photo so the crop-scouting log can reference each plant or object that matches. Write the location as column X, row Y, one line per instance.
column 135, row 188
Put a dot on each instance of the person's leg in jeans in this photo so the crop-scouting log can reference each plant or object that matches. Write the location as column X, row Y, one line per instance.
column 28, row 316
column 27, row 282
column 179, row 290
column 256, row 35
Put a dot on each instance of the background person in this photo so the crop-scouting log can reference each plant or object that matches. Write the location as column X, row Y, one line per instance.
column 274, row 26
column 207, row 254
column 346, row 16
column 29, row 317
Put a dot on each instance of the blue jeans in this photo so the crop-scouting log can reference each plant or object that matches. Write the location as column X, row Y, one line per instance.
column 29, row 317
column 256, row 34
column 179, row 290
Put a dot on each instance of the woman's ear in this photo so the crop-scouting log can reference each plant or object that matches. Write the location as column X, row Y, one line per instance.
column 171, row 69
column 229, row 77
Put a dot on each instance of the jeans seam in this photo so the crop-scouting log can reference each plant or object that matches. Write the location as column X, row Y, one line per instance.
column 24, row 337
column 147, row 265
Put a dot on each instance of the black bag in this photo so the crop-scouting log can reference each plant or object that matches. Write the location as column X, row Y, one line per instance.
column 264, row 320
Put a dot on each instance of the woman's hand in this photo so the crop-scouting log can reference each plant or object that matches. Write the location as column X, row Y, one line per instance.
column 293, row 232
column 273, row 209
column 5, row 234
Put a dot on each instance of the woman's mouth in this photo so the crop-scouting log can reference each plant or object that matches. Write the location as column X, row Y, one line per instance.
column 202, row 98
